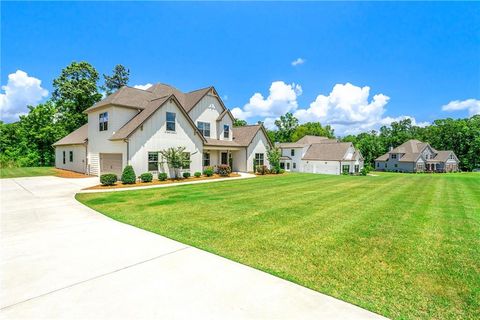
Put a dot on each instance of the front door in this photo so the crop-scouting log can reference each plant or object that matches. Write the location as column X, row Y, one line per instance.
column 224, row 158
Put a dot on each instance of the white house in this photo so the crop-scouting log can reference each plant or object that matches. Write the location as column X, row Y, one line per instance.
column 320, row 155
column 132, row 125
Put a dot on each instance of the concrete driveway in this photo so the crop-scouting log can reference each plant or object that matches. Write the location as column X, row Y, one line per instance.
column 60, row 259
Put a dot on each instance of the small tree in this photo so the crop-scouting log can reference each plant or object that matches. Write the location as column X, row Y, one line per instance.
column 128, row 175
column 176, row 159
column 273, row 156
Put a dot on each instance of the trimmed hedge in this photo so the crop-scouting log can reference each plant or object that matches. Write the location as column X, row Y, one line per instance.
column 186, row 175
column 162, row 176
column 224, row 170
column 128, row 175
column 208, row 171
column 197, row 174
column 108, row 179
column 146, row 177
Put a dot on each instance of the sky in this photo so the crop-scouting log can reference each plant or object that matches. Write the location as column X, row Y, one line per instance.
column 353, row 65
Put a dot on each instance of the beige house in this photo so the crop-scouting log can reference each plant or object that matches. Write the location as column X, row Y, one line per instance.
column 132, row 125
column 417, row 156
column 320, row 155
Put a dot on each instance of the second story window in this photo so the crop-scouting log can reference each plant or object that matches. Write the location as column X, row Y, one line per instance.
column 292, row 152
column 170, row 121
column 103, row 121
column 226, row 131
column 204, row 128
column 394, row 156
column 71, row 156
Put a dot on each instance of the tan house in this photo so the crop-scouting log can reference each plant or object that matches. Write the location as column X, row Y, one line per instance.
column 417, row 156
column 132, row 125
column 320, row 155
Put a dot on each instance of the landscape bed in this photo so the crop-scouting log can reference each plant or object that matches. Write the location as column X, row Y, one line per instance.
column 402, row 245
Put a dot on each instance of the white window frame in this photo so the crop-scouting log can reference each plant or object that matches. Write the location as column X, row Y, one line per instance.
column 103, row 121
column 226, row 131
column 259, row 159
column 206, row 159
column 171, row 122
column 152, row 161
column 202, row 127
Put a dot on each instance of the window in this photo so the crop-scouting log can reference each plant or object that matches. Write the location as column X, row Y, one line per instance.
column 153, row 161
column 170, row 121
column 282, row 165
column 294, row 165
column 103, row 121
column 292, row 152
column 386, row 165
column 396, row 165
column 378, row 164
column 394, row 156
column 63, row 157
column 346, row 168
column 226, row 131
column 224, row 158
column 206, row 159
column 187, row 156
column 357, row 168
column 204, row 128
column 71, row 156
column 288, row 165
column 259, row 159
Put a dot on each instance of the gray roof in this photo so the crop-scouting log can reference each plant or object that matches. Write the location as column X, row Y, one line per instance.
column 327, row 151
column 221, row 143
column 443, row 155
column 78, row 136
column 412, row 150
column 285, row 158
column 411, row 146
column 290, row 145
column 245, row 134
column 312, row 139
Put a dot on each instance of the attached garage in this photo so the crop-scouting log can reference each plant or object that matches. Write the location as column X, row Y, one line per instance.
column 111, row 163
column 71, row 151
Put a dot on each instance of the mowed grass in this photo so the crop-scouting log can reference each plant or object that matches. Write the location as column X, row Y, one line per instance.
column 26, row 172
column 405, row 246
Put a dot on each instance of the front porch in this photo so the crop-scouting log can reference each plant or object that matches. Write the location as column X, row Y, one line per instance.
column 215, row 156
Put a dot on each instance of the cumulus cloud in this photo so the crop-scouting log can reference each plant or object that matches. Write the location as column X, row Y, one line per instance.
column 21, row 90
column 298, row 62
column 282, row 98
column 472, row 105
column 143, row 86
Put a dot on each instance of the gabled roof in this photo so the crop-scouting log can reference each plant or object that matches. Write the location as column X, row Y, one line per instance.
column 78, row 136
column 383, row 157
column 327, row 151
column 221, row 143
column 412, row 150
column 245, row 134
column 290, row 145
column 411, row 146
column 444, row 155
column 125, row 97
column 312, row 139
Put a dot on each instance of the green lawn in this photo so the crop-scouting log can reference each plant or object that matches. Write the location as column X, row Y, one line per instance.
column 402, row 245
column 26, row 172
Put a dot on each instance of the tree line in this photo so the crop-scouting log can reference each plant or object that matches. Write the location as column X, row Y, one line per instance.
column 28, row 142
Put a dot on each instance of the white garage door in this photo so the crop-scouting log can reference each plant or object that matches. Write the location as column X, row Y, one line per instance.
column 111, row 162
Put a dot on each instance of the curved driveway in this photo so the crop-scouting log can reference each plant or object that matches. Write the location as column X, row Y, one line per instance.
column 60, row 259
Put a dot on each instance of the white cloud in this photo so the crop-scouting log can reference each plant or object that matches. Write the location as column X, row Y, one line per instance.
column 143, row 86
column 21, row 90
column 472, row 105
column 298, row 62
column 281, row 99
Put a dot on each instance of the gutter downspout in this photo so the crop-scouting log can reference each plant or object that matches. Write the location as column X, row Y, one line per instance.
column 128, row 151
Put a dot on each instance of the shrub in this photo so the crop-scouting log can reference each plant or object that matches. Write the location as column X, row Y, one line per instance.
column 162, row 176
column 364, row 171
column 281, row 171
column 224, row 170
column 261, row 169
column 146, row 177
column 108, row 179
column 128, row 175
column 208, row 171
column 197, row 174
column 274, row 170
column 186, row 175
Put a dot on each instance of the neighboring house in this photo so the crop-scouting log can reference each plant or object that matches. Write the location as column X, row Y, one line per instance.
column 320, row 155
column 132, row 125
column 417, row 156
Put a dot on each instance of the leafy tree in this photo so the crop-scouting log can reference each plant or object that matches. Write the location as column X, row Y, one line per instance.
column 273, row 156
column 312, row 129
column 176, row 159
column 287, row 124
column 74, row 91
column 369, row 144
column 119, row 78
column 239, row 123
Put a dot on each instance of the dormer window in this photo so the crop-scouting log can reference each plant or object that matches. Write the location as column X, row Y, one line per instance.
column 204, row 128
column 292, row 152
column 226, row 131
column 394, row 156
column 103, row 121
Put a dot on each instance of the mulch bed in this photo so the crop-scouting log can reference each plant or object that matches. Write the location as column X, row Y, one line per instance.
column 155, row 182
column 69, row 174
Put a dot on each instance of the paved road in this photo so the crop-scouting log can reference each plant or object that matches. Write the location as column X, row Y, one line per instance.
column 60, row 259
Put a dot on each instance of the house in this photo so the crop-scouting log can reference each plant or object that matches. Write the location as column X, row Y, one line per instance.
column 131, row 126
column 320, row 155
column 417, row 156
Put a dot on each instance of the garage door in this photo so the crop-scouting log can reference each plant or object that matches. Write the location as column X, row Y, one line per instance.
column 111, row 162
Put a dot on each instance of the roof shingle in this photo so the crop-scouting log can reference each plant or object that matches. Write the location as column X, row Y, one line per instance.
column 78, row 136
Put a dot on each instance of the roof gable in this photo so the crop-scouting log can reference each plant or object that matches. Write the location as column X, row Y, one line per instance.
column 79, row 136
column 244, row 135
column 327, row 151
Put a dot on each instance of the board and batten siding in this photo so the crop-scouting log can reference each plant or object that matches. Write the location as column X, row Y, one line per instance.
column 317, row 166
column 259, row 144
column 297, row 158
column 152, row 136
column 79, row 157
column 98, row 141
column 208, row 109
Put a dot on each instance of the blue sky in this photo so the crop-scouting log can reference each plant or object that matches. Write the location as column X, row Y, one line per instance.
column 364, row 64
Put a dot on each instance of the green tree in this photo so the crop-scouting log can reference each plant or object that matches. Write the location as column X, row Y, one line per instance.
column 286, row 126
column 369, row 144
column 119, row 78
column 176, row 159
column 74, row 91
column 312, row 129
column 239, row 123
column 273, row 156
